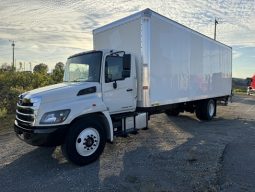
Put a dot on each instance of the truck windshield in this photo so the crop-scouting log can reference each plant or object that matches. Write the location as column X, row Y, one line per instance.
column 84, row 67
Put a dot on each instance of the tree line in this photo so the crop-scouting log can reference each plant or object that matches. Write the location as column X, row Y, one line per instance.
column 13, row 83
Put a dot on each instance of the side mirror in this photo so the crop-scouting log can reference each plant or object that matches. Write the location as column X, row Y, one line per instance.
column 125, row 74
column 126, row 66
column 126, row 62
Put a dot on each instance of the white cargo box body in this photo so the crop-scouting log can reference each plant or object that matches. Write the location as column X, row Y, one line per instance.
column 174, row 63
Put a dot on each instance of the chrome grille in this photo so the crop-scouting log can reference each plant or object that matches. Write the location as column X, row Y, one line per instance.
column 25, row 110
column 25, row 114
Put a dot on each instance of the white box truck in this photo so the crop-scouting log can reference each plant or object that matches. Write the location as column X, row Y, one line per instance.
column 141, row 65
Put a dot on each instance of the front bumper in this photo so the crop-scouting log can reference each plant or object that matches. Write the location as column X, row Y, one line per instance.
column 42, row 136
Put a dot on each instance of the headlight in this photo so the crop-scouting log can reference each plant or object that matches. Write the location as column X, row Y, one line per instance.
column 55, row 117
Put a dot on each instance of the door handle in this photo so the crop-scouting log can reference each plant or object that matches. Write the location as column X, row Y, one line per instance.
column 129, row 90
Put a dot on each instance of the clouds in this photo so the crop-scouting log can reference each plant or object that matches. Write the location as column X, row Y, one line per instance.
column 51, row 30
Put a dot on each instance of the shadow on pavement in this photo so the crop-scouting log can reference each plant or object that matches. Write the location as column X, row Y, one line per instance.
column 39, row 171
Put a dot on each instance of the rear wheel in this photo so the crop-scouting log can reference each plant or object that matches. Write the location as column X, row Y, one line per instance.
column 85, row 141
column 206, row 109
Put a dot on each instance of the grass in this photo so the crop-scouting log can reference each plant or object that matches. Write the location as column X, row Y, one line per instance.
column 6, row 124
column 239, row 90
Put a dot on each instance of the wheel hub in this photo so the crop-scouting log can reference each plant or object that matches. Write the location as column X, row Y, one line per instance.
column 87, row 141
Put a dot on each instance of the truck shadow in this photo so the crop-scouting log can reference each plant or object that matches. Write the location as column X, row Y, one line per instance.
column 41, row 170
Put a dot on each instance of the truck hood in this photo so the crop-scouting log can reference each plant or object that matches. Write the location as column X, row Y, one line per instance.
column 61, row 91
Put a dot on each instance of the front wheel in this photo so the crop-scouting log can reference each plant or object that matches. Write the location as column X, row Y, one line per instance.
column 85, row 141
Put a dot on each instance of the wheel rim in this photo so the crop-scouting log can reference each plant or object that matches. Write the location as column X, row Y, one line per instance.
column 211, row 109
column 87, row 141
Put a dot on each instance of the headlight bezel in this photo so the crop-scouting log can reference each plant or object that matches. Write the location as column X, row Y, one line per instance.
column 54, row 117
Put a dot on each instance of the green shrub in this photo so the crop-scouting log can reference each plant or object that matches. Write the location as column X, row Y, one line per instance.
column 12, row 84
column 240, row 90
column 3, row 112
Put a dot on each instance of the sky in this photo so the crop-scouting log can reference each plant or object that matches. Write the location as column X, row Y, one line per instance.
column 48, row 31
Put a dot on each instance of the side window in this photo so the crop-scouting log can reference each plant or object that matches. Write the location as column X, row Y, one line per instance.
column 116, row 68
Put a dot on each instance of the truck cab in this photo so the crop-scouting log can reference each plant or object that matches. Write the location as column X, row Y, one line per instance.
column 113, row 71
column 251, row 86
column 98, row 95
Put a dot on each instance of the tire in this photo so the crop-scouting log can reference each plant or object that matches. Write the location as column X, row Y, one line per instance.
column 206, row 109
column 175, row 112
column 85, row 141
column 199, row 112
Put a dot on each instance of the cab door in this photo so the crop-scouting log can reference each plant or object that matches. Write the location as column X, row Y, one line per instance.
column 119, row 83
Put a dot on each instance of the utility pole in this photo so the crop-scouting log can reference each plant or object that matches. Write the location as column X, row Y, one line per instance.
column 215, row 24
column 13, row 45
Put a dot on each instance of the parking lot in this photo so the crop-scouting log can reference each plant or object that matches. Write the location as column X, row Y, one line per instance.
column 174, row 154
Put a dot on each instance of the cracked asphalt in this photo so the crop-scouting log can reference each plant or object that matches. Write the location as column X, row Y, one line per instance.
column 174, row 154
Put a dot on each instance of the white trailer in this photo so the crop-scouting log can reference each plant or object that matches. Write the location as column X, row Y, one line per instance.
column 141, row 65
column 174, row 63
